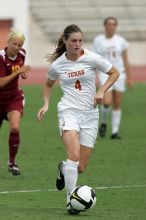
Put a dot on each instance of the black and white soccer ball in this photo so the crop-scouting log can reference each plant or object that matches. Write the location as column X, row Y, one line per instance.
column 83, row 198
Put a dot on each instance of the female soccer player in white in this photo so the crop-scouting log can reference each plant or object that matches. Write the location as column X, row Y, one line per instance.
column 75, row 67
column 114, row 48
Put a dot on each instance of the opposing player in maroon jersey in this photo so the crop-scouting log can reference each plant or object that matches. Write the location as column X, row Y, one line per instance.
column 11, row 97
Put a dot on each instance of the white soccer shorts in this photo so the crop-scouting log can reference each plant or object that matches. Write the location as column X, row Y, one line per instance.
column 85, row 122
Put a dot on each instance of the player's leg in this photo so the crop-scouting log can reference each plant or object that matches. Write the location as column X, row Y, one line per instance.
column 105, row 108
column 70, row 167
column 84, row 158
column 116, row 114
column 119, row 88
column 85, row 153
column 71, row 142
column 14, row 111
column 69, row 132
column 14, row 139
column 68, row 170
column 87, row 141
column 88, row 135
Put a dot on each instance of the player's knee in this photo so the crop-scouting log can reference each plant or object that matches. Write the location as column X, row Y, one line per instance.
column 116, row 108
column 14, row 129
column 74, row 156
column 116, row 105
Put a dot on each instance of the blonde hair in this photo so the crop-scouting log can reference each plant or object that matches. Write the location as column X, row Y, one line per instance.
column 16, row 33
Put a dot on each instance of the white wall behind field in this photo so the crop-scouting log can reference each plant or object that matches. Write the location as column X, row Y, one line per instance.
column 18, row 11
column 136, row 52
column 38, row 45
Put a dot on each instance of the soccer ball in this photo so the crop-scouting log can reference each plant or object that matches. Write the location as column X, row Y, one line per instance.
column 83, row 198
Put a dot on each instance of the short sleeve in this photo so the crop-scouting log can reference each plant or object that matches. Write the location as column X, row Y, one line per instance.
column 23, row 54
column 104, row 65
column 52, row 73
column 2, row 67
column 101, row 63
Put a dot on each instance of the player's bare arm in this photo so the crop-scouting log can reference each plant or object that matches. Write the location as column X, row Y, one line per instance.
column 113, row 76
column 6, row 80
column 46, row 97
column 127, row 68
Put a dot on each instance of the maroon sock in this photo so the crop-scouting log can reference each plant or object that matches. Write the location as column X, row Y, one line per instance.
column 14, row 141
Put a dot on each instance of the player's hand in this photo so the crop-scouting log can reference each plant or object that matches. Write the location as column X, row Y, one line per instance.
column 98, row 99
column 23, row 69
column 129, row 83
column 41, row 112
column 24, row 75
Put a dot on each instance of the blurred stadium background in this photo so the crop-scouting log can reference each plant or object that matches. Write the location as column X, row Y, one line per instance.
column 118, row 168
column 43, row 22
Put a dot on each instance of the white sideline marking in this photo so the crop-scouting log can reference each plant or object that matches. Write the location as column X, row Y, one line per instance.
column 119, row 187
column 53, row 190
column 29, row 191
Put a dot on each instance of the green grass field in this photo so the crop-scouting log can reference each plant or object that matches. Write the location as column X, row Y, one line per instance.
column 116, row 169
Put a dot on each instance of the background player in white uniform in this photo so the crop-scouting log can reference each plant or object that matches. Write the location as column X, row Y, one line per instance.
column 77, row 111
column 114, row 48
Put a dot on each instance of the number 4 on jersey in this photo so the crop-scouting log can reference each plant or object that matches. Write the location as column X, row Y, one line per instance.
column 78, row 85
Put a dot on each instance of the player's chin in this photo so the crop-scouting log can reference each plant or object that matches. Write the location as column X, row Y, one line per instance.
column 14, row 52
column 77, row 50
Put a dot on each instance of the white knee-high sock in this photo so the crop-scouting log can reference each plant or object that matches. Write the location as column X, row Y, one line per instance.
column 116, row 119
column 104, row 114
column 70, row 171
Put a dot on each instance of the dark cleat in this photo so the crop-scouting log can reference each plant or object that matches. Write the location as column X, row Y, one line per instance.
column 102, row 130
column 115, row 136
column 71, row 210
column 60, row 183
column 14, row 169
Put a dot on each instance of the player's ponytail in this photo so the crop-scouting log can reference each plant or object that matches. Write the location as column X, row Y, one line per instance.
column 60, row 49
column 16, row 33
column 60, row 45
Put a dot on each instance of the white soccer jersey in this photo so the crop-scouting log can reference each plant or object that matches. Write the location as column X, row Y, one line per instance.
column 112, row 49
column 77, row 79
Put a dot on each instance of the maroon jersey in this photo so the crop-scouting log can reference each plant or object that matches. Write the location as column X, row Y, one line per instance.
column 7, row 67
